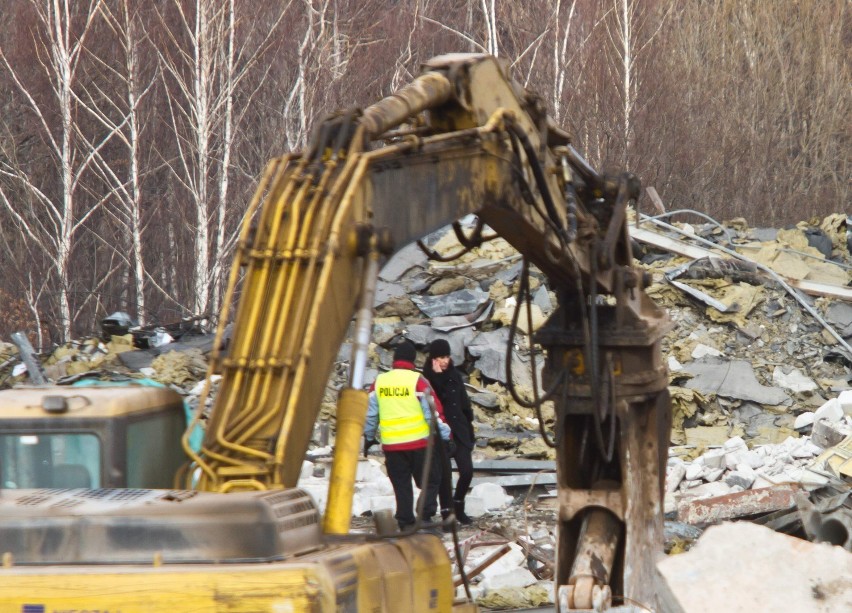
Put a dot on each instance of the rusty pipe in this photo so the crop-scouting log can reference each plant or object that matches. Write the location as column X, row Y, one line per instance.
column 426, row 91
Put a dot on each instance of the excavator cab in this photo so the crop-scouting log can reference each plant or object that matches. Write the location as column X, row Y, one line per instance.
column 90, row 437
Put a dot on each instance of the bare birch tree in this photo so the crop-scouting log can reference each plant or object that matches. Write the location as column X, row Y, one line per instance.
column 121, row 115
column 489, row 13
column 203, row 71
column 631, row 31
column 320, row 49
column 52, row 221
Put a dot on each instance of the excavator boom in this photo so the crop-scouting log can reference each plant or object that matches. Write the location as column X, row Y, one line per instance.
column 462, row 138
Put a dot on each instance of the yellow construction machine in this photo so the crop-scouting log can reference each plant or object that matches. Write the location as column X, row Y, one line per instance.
column 60, row 436
column 462, row 138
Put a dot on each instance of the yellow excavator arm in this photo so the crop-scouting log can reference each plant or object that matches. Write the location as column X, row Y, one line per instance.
column 462, row 138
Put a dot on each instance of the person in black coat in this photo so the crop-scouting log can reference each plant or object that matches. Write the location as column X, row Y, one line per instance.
column 448, row 385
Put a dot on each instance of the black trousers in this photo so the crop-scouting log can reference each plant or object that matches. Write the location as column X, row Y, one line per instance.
column 464, row 462
column 402, row 467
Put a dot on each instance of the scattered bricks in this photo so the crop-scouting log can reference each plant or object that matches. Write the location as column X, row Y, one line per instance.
column 753, row 459
column 539, row 535
column 713, row 475
column 734, row 444
column 742, row 477
column 808, row 450
column 738, row 480
column 670, row 505
column 475, row 506
column 831, row 410
column 688, row 485
column 737, row 505
column 492, row 495
column 709, row 490
column 715, row 458
column 675, row 476
column 845, row 400
column 735, row 451
column 519, row 577
column 506, row 559
column 804, row 420
column 747, row 470
column 760, row 483
column 693, row 472
column 826, row 434
column 483, row 564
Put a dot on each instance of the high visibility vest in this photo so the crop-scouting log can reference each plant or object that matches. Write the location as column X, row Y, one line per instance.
column 400, row 414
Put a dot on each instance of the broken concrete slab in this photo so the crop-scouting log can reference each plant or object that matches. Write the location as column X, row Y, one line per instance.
column 516, row 577
column 735, row 568
column 697, row 490
column 486, row 399
column 402, row 261
column 845, row 400
column 742, row 477
column 517, row 480
column 831, row 411
column 453, row 322
column 485, row 497
column 419, row 334
column 541, row 298
column 792, row 379
column 731, row 379
column 386, row 291
column 803, row 420
column 461, row 302
column 490, row 348
column 839, row 314
column 701, row 351
column 827, row 434
column 705, row 436
column 674, row 477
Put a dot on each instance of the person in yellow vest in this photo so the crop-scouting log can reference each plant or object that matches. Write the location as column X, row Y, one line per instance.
column 400, row 409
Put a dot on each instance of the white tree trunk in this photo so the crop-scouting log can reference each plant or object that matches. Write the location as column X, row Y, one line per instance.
column 489, row 10
column 224, row 172
column 205, row 123
column 52, row 224
column 627, row 11
column 203, row 64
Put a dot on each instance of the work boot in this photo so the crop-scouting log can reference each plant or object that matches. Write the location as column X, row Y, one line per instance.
column 461, row 516
column 447, row 518
column 428, row 526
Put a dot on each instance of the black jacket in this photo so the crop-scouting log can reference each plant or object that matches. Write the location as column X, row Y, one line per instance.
column 449, row 387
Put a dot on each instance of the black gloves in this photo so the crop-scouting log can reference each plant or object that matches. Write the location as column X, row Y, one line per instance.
column 450, row 446
column 369, row 443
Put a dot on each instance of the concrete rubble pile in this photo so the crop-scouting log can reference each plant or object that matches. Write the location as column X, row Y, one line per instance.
column 760, row 376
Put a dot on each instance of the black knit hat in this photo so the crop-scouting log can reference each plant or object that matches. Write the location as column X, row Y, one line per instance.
column 405, row 351
column 439, row 348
